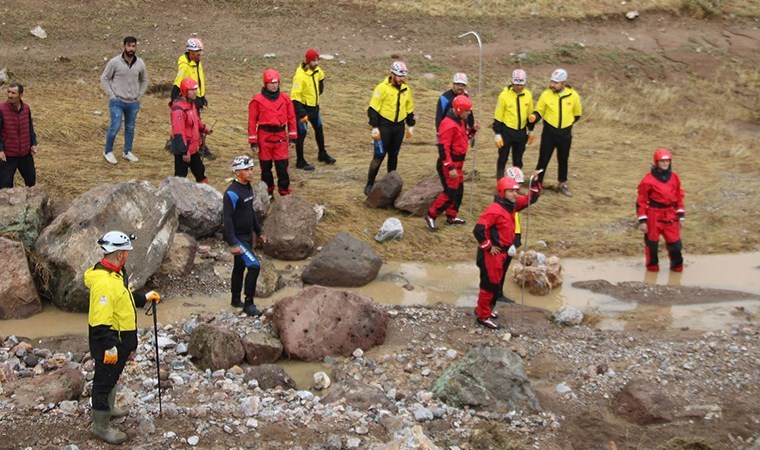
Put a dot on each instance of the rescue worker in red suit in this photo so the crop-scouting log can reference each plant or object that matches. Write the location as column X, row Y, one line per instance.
column 187, row 131
column 453, row 142
column 660, row 211
column 495, row 233
column 271, row 126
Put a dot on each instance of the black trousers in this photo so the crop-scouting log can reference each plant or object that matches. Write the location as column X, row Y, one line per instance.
column 391, row 136
column 514, row 140
column 319, row 134
column 251, row 276
column 106, row 376
column 25, row 166
column 195, row 165
column 552, row 138
column 283, row 179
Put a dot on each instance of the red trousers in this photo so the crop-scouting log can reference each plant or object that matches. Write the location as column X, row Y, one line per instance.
column 491, row 272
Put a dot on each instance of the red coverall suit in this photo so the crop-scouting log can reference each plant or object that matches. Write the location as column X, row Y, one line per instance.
column 660, row 205
column 186, row 139
column 453, row 143
column 496, row 228
column 272, row 125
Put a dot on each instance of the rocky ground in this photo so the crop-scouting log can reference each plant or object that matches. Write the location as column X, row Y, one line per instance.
column 709, row 381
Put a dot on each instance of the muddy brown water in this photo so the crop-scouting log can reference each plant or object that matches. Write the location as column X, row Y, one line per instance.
column 457, row 284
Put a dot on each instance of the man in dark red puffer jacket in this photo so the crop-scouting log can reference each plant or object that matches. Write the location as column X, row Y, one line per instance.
column 18, row 141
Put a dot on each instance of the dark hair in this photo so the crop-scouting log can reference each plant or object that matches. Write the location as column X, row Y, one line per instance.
column 129, row 40
column 17, row 85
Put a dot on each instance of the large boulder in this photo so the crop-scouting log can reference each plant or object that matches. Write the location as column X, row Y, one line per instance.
column 344, row 261
column 23, row 214
column 359, row 395
column 69, row 243
column 418, row 199
column 260, row 200
column 643, row 403
column 290, row 228
column 54, row 387
column 541, row 274
column 319, row 322
column 199, row 206
column 269, row 376
column 18, row 295
column 180, row 258
column 261, row 348
column 385, row 191
column 488, row 378
column 215, row 348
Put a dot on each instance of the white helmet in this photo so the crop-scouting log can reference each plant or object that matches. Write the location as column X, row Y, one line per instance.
column 460, row 78
column 242, row 162
column 559, row 75
column 398, row 68
column 194, row 45
column 519, row 77
column 114, row 241
column 516, row 173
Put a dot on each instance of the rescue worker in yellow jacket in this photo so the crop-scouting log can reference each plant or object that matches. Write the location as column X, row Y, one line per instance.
column 308, row 86
column 510, row 122
column 390, row 107
column 189, row 65
column 560, row 107
column 112, row 329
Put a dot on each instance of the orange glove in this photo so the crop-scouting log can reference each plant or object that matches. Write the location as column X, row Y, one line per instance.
column 409, row 132
column 532, row 118
column 304, row 119
column 376, row 133
column 153, row 296
column 111, row 356
column 531, row 138
column 498, row 140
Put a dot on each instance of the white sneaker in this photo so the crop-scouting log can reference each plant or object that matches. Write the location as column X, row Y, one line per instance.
column 129, row 157
column 110, row 158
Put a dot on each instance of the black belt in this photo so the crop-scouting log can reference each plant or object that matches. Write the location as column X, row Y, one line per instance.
column 272, row 128
column 659, row 205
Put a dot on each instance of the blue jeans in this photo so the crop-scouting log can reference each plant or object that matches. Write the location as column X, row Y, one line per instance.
column 119, row 108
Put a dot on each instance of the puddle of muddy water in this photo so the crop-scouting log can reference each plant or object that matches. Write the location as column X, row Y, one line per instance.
column 457, row 284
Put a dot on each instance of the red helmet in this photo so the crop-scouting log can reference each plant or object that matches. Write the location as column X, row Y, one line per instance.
column 461, row 103
column 661, row 154
column 271, row 76
column 187, row 84
column 506, row 184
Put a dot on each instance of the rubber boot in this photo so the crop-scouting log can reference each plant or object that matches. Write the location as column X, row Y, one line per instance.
column 116, row 412
column 101, row 428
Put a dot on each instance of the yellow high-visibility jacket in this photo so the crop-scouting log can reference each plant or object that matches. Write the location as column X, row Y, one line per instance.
column 513, row 109
column 308, row 85
column 187, row 68
column 393, row 103
column 559, row 109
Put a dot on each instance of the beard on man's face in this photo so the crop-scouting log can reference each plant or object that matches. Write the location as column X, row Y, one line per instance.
column 130, row 53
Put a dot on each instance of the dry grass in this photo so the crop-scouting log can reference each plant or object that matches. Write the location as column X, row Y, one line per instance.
column 624, row 119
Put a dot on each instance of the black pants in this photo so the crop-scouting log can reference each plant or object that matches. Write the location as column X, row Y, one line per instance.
column 106, row 376
column 283, row 179
column 514, row 140
column 319, row 134
column 195, row 165
column 25, row 166
column 552, row 138
column 251, row 276
column 391, row 136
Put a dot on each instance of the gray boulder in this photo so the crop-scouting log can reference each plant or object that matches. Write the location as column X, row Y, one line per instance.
column 199, row 206
column 269, row 376
column 260, row 200
column 54, row 387
column 23, row 214
column 319, row 322
column 492, row 379
column 344, row 261
column 180, row 258
column 269, row 279
column 358, row 395
column 69, row 243
column 418, row 199
column 567, row 315
column 385, row 191
column 215, row 348
column 291, row 229
column 261, row 348
column 18, row 295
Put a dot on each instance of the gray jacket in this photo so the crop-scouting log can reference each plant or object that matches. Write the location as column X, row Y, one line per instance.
column 127, row 82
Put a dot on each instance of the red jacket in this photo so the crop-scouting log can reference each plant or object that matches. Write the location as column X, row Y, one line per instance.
column 272, row 112
column 662, row 192
column 453, row 140
column 186, row 126
column 17, row 133
column 496, row 226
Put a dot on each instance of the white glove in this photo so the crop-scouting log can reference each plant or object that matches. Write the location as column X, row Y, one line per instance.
column 498, row 140
column 410, row 132
column 376, row 133
column 512, row 251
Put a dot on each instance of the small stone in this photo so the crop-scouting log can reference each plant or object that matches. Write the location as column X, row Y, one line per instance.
column 353, row 442
column 358, row 353
column 193, row 440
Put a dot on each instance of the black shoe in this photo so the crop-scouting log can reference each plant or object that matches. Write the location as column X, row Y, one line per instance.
column 325, row 158
column 303, row 165
column 504, row 299
column 206, row 153
column 368, row 189
column 251, row 310
column 236, row 303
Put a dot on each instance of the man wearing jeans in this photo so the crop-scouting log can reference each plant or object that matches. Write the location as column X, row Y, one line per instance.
column 125, row 80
